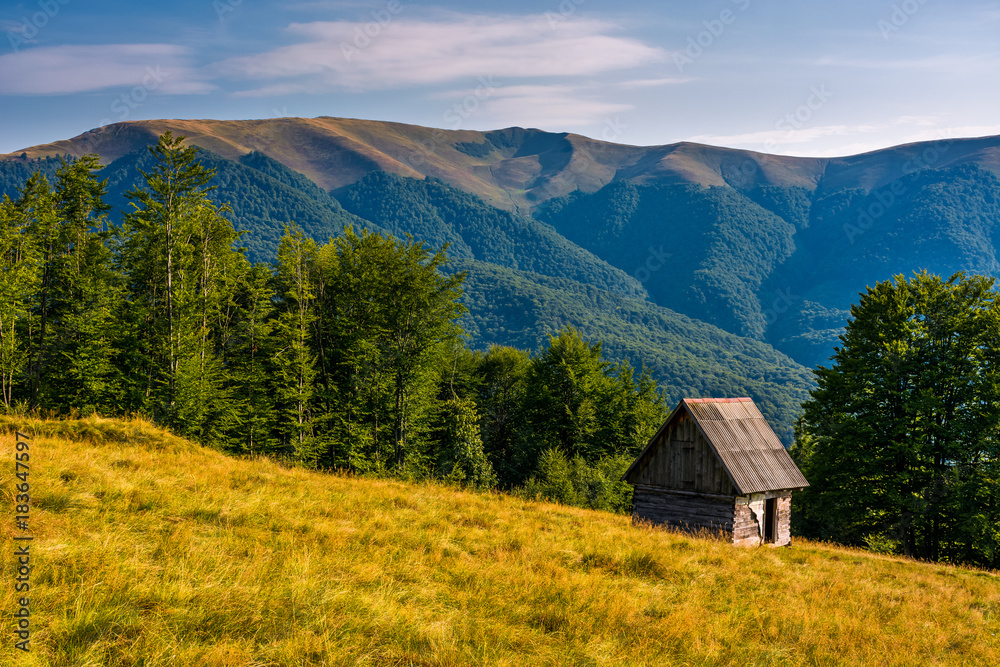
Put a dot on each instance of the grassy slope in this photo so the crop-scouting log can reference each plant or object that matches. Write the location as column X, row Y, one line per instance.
column 150, row 550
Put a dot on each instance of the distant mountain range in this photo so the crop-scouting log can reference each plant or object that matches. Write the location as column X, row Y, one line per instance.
column 708, row 265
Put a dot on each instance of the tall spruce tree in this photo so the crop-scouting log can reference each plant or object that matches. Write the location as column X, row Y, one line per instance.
column 294, row 360
column 38, row 206
column 248, row 357
column 18, row 281
column 81, row 352
column 154, row 238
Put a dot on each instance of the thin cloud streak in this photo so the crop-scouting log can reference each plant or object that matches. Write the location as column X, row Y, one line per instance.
column 860, row 138
column 62, row 70
column 409, row 53
column 546, row 107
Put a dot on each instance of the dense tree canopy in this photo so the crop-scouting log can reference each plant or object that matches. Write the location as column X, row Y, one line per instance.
column 339, row 355
column 902, row 436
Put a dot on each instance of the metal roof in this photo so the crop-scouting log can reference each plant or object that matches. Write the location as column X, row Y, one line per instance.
column 751, row 453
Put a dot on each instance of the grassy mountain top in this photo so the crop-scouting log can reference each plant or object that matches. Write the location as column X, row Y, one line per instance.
column 150, row 550
column 513, row 168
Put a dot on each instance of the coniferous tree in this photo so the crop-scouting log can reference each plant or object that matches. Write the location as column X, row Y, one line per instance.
column 156, row 252
column 249, row 360
column 82, row 353
column 209, row 275
column 294, row 361
column 37, row 204
column 18, row 280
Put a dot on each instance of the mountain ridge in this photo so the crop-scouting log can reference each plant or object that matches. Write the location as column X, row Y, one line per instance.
column 773, row 249
column 513, row 168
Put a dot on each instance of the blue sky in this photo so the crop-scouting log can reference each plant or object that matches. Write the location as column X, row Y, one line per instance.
column 796, row 78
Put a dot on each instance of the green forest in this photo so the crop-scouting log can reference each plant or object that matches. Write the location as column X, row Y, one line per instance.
column 404, row 328
column 344, row 355
column 524, row 280
column 900, row 439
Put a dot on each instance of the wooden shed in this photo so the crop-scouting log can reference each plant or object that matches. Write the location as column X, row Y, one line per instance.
column 716, row 464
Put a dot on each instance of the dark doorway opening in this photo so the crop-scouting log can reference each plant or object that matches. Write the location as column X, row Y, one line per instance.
column 770, row 520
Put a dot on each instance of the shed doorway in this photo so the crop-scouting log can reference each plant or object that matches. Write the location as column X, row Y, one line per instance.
column 770, row 520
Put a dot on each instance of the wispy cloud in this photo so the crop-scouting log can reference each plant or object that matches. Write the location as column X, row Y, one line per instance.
column 61, row 70
column 841, row 140
column 948, row 63
column 655, row 83
column 408, row 52
column 546, row 107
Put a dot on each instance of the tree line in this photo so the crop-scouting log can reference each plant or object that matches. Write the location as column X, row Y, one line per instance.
column 345, row 355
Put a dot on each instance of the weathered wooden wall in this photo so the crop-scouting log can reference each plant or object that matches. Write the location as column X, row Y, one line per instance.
column 682, row 509
column 683, row 460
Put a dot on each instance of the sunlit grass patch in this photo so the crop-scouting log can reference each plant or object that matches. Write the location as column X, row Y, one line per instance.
column 150, row 550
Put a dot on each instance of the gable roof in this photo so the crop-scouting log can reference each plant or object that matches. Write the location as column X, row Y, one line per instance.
column 750, row 452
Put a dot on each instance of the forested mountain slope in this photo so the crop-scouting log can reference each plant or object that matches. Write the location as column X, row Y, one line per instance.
column 784, row 264
column 687, row 357
column 524, row 280
column 774, row 248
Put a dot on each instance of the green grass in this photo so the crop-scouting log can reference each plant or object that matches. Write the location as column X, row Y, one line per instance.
column 152, row 551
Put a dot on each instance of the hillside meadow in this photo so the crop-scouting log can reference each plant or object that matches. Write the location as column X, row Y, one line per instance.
column 150, row 550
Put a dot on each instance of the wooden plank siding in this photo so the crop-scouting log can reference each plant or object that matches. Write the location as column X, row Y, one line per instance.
column 683, row 460
column 748, row 523
column 685, row 510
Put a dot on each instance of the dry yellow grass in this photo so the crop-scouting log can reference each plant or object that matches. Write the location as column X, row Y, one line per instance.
column 152, row 551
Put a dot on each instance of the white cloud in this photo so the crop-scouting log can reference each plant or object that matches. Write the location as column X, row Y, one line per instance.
column 61, row 70
column 654, row 83
column 406, row 52
column 546, row 107
column 842, row 140
column 946, row 63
